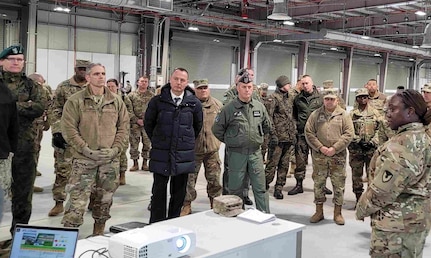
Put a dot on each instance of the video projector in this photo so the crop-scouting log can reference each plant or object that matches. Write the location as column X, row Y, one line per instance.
column 152, row 241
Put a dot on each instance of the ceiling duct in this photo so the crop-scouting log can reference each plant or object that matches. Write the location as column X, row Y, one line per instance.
column 279, row 12
column 426, row 43
column 153, row 5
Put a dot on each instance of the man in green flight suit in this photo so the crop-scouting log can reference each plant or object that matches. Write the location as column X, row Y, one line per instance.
column 241, row 125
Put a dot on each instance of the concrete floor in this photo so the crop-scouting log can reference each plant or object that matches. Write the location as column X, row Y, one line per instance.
column 324, row 239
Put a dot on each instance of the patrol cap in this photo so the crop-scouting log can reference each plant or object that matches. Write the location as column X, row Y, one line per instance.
column 330, row 93
column 195, row 83
column 12, row 50
column 426, row 88
column 263, row 86
column 328, row 84
column 202, row 82
column 281, row 81
column 82, row 63
column 361, row 92
column 228, row 205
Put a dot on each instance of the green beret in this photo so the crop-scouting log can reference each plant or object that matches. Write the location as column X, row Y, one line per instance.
column 12, row 50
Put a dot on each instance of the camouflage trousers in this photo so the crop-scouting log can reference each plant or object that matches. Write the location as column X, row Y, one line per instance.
column 333, row 167
column 241, row 165
column 38, row 131
column 87, row 177
column 123, row 161
column 23, row 176
column 278, row 160
column 62, row 168
column 138, row 134
column 397, row 244
column 212, row 168
column 357, row 161
column 301, row 156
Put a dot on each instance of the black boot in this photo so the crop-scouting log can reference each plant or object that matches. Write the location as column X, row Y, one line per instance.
column 326, row 190
column 297, row 189
column 278, row 194
column 247, row 200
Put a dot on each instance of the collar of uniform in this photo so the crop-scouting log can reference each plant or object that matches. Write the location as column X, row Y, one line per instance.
column 8, row 76
column 239, row 104
column 410, row 126
column 107, row 95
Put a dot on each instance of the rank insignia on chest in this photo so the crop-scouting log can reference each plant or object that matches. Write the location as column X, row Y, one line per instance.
column 321, row 118
column 256, row 113
column 238, row 113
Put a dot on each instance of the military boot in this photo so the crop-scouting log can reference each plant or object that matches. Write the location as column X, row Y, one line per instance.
column 98, row 229
column 57, row 209
column 38, row 173
column 278, row 194
column 297, row 189
column 358, row 195
column 145, row 166
column 37, row 189
column 318, row 216
column 123, row 178
column 338, row 218
column 187, row 209
column 135, row 165
column 211, row 202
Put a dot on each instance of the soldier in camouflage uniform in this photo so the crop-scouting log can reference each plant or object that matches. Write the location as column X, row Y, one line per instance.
column 31, row 104
column 426, row 93
column 112, row 84
column 283, row 136
column 366, row 121
column 328, row 132
column 206, row 150
column 263, row 92
column 329, row 84
column 398, row 198
column 377, row 99
column 139, row 100
column 62, row 152
column 95, row 125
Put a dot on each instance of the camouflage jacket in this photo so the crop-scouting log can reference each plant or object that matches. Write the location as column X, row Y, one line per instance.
column 398, row 198
column 46, row 91
column 85, row 124
column 303, row 104
column 63, row 92
column 280, row 111
column 29, row 98
column 206, row 142
column 139, row 105
column 378, row 102
column 366, row 123
column 329, row 130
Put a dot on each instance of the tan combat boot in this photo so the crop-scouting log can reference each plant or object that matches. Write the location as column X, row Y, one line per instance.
column 98, row 229
column 145, row 166
column 135, row 165
column 187, row 209
column 318, row 216
column 57, row 209
column 123, row 178
column 338, row 218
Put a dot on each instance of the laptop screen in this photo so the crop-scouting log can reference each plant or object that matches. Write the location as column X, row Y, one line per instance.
column 42, row 241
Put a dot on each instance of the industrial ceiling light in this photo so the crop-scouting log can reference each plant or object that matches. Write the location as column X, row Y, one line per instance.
column 59, row 8
column 279, row 12
column 289, row 23
column 334, row 48
column 420, row 13
column 193, row 28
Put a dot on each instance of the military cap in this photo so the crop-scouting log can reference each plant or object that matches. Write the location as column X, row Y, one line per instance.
column 426, row 88
column 228, row 205
column 195, row 83
column 12, row 50
column 202, row 82
column 281, row 81
column 263, row 86
column 328, row 84
column 82, row 63
column 330, row 93
column 361, row 92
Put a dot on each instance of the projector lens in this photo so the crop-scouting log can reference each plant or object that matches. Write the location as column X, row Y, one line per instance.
column 183, row 243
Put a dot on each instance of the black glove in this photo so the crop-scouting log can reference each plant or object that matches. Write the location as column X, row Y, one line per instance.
column 273, row 141
column 58, row 141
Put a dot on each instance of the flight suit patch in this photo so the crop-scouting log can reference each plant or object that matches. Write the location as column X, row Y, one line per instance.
column 256, row 113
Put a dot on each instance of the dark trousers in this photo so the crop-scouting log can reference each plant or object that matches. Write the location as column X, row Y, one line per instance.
column 23, row 175
column 177, row 191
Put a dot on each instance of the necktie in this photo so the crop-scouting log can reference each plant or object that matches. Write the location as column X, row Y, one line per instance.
column 177, row 101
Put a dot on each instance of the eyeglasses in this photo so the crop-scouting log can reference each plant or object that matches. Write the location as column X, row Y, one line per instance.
column 18, row 60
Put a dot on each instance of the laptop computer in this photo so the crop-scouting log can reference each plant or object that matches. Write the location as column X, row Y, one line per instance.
column 43, row 241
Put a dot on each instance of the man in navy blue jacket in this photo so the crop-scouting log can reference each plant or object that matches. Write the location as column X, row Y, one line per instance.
column 172, row 121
